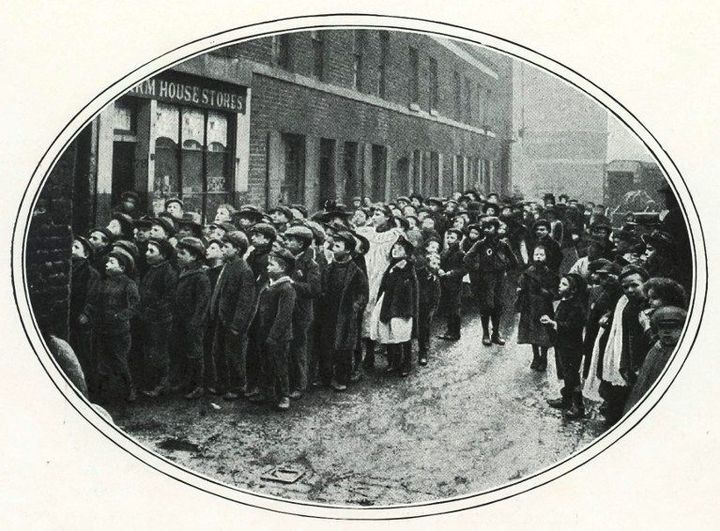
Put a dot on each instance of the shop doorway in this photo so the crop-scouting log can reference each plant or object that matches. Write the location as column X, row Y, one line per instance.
column 123, row 170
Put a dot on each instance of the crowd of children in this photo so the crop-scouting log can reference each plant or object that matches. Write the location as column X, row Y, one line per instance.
column 264, row 305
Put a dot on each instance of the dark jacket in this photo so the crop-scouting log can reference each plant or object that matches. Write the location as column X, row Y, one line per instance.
column 399, row 286
column 490, row 255
column 276, row 302
column 258, row 262
column 113, row 304
column 429, row 288
column 570, row 318
column 308, row 286
column 451, row 261
column 233, row 300
column 84, row 279
column 338, row 319
column 157, row 290
column 192, row 297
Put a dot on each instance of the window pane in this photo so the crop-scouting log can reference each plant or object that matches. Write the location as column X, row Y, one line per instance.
column 165, row 183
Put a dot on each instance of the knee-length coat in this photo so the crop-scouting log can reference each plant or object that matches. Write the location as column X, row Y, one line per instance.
column 535, row 299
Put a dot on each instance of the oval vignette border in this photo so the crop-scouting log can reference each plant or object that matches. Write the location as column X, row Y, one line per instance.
column 337, row 21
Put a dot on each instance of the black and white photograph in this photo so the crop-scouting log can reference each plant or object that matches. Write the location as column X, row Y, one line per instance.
column 358, row 265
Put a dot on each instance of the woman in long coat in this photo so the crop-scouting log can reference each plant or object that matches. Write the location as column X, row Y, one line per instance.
column 536, row 292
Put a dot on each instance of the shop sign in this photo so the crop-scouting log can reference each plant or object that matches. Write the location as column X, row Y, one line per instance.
column 184, row 89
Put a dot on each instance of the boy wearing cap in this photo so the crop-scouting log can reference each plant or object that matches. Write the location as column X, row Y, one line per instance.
column 554, row 256
column 157, row 290
column 667, row 323
column 341, row 306
column 306, row 280
column 84, row 280
column 491, row 258
column 109, row 310
column 281, row 216
column 100, row 239
column 175, row 207
column 276, row 302
column 232, row 306
column 262, row 237
column 192, row 298
column 451, row 273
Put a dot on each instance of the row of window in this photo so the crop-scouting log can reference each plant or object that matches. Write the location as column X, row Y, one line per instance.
column 427, row 172
column 471, row 99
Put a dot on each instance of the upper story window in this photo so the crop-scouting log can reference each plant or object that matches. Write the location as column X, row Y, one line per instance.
column 414, row 77
column 458, row 96
column 318, row 50
column 383, row 63
column 358, row 50
column 281, row 50
column 433, row 100
column 468, row 101
column 483, row 105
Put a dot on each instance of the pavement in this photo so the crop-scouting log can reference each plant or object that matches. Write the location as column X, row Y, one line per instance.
column 474, row 418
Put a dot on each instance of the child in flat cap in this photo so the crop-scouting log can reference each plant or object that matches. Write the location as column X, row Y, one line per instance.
column 157, row 291
column 340, row 307
column 232, row 307
column 84, row 280
column 192, row 298
column 110, row 309
column 276, row 302
column 667, row 323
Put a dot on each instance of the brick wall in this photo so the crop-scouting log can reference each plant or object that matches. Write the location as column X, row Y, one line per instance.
column 49, row 243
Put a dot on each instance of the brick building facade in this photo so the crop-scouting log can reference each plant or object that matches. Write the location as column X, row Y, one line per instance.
column 303, row 117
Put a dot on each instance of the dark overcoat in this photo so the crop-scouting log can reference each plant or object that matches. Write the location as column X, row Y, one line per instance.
column 451, row 261
column 535, row 299
column 157, row 291
column 192, row 298
column 308, row 285
column 342, row 325
column 276, row 302
column 233, row 300
column 113, row 304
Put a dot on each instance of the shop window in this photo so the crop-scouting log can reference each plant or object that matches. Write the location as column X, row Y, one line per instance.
column 125, row 116
column 382, row 67
column 192, row 158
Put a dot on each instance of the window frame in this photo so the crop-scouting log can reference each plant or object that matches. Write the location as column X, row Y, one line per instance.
column 317, row 40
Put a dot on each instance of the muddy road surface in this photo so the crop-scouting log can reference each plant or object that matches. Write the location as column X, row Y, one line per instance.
column 474, row 418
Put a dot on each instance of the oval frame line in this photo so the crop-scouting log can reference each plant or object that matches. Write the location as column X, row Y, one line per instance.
column 347, row 21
